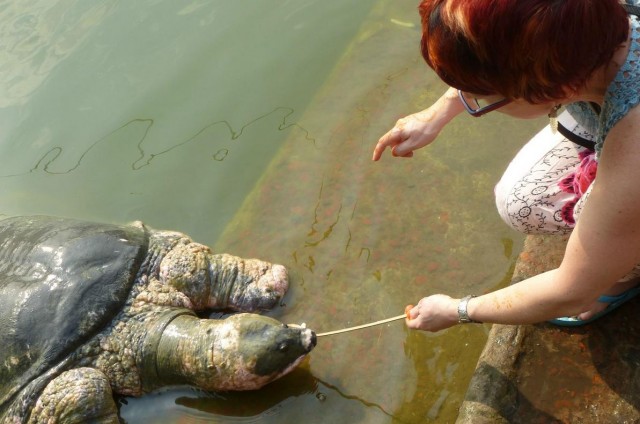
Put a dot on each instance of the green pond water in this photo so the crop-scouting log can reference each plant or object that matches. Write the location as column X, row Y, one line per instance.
column 249, row 125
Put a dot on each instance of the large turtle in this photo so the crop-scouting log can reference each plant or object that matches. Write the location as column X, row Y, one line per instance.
column 88, row 310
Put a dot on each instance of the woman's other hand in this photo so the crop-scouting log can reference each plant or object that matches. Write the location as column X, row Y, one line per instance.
column 419, row 129
column 410, row 133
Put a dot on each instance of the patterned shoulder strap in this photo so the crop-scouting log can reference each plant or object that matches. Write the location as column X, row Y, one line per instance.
column 631, row 9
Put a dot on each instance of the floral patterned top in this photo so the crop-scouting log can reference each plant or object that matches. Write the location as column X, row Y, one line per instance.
column 622, row 95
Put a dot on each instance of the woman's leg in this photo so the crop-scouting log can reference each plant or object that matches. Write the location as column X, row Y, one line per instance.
column 532, row 195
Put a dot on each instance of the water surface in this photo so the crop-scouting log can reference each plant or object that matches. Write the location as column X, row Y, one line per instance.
column 249, row 126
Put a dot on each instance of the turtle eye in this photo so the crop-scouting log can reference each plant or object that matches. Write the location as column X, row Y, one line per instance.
column 283, row 347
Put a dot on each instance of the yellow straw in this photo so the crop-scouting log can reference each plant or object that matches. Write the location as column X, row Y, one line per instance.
column 358, row 327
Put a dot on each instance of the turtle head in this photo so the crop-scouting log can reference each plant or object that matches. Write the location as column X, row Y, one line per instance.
column 270, row 349
column 242, row 352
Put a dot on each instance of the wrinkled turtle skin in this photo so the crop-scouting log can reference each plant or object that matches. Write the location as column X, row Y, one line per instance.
column 90, row 310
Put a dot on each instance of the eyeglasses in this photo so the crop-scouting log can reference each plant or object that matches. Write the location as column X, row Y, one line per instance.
column 478, row 107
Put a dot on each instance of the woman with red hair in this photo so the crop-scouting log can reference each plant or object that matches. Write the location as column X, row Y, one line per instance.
column 529, row 58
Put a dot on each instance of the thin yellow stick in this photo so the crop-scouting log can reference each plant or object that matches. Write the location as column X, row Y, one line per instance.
column 358, row 327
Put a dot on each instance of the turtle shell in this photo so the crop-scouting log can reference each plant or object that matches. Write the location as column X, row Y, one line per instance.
column 61, row 282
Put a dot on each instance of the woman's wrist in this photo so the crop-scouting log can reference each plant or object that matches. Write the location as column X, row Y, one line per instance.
column 453, row 100
column 464, row 316
column 452, row 311
column 447, row 107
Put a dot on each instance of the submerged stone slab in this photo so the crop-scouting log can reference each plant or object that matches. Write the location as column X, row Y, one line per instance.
column 546, row 374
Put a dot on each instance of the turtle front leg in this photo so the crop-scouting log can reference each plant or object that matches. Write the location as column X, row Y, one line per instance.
column 223, row 281
column 81, row 395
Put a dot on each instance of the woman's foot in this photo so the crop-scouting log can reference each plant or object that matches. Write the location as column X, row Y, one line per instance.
column 619, row 294
column 599, row 306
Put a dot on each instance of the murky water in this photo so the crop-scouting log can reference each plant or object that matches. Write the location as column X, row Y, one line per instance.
column 249, row 126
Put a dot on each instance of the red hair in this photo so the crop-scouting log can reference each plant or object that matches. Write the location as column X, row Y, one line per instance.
column 534, row 50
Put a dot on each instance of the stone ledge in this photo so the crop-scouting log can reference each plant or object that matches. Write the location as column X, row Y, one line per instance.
column 546, row 374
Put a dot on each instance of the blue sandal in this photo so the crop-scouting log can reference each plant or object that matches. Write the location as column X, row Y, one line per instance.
column 613, row 301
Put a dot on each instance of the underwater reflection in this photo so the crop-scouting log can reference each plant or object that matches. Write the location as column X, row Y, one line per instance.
column 253, row 403
column 250, row 406
column 37, row 36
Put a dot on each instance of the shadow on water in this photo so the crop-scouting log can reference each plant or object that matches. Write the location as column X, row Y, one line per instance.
column 505, row 399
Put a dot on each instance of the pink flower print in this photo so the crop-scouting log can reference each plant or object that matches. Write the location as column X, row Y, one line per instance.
column 578, row 183
column 567, row 211
column 585, row 174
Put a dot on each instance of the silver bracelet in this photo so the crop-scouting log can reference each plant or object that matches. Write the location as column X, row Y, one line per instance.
column 463, row 315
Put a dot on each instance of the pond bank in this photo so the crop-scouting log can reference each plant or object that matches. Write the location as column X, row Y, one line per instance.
column 545, row 374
